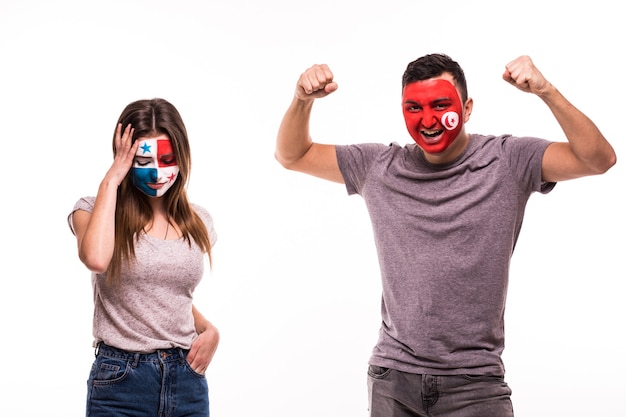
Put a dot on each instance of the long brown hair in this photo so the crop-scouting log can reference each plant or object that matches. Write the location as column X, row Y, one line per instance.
column 133, row 211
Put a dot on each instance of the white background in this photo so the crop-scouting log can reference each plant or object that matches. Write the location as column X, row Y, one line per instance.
column 295, row 289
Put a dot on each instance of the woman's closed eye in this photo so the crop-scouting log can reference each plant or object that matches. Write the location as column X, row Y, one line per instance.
column 168, row 160
column 142, row 161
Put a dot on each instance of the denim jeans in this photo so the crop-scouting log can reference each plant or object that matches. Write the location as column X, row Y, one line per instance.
column 159, row 384
column 399, row 394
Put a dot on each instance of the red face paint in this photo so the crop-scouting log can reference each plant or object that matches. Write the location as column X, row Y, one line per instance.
column 433, row 113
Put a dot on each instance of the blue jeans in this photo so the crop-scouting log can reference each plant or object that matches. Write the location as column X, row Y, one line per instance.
column 399, row 394
column 159, row 384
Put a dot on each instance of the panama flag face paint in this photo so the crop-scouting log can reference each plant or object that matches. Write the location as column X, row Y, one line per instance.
column 154, row 168
column 433, row 113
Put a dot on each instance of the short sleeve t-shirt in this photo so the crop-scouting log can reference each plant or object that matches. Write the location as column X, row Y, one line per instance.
column 150, row 308
column 444, row 236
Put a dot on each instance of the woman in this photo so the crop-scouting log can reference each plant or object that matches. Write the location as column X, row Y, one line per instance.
column 145, row 244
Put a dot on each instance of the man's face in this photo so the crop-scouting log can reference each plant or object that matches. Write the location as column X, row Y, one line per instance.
column 154, row 169
column 433, row 113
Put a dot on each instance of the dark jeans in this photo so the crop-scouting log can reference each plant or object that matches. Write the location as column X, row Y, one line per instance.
column 399, row 394
column 159, row 384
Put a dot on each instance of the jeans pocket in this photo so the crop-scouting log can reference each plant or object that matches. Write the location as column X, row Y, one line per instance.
column 108, row 370
column 378, row 372
column 484, row 378
column 192, row 371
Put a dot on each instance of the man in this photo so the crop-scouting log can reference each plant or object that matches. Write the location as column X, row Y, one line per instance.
column 446, row 213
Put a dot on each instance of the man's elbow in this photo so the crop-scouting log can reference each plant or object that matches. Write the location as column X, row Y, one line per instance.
column 287, row 163
column 606, row 163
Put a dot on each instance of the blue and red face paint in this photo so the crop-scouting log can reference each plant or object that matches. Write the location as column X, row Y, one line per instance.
column 154, row 169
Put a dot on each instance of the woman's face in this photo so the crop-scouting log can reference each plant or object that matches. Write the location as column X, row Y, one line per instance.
column 154, row 169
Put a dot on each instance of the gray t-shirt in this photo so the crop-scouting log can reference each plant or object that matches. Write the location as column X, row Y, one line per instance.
column 150, row 307
column 444, row 235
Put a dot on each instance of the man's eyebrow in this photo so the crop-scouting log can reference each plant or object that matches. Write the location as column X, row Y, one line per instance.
column 436, row 100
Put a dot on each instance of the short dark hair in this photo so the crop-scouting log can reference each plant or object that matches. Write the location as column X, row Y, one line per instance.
column 433, row 65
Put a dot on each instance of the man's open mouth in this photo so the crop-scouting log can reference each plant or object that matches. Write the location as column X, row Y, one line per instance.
column 431, row 133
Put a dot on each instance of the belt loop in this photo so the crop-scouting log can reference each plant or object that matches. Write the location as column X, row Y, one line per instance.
column 181, row 352
column 136, row 360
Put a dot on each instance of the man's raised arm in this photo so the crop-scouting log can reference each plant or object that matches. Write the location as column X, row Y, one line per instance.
column 295, row 150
